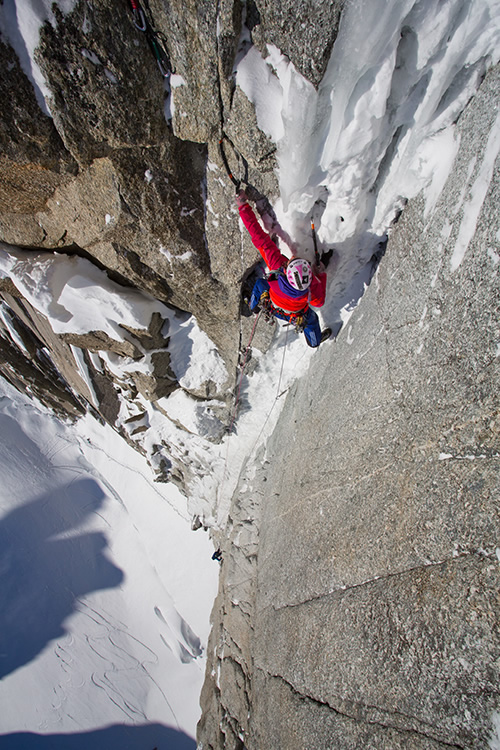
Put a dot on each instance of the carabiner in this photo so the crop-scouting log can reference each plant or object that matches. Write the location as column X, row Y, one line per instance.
column 164, row 71
column 138, row 16
column 139, row 19
column 161, row 57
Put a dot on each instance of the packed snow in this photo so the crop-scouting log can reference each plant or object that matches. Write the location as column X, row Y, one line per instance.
column 105, row 589
column 76, row 297
column 109, row 590
column 477, row 195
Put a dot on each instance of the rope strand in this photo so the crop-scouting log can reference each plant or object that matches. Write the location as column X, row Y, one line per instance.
column 242, row 373
column 277, row 396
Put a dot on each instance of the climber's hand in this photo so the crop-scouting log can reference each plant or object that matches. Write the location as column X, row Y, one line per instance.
column 241, row 198
column 319, row 268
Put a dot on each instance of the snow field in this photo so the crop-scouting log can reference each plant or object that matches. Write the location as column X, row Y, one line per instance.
column 126, row 644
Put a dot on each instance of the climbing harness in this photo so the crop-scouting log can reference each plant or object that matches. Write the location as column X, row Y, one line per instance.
column 143, row 21
column 296, row 319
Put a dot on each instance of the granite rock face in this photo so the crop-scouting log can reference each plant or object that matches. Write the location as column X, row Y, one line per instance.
column 107, row 164
column 358, row 603
column 288, row 26
column 110, row 176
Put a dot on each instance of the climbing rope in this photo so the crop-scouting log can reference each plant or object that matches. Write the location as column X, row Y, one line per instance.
column 143, row 21
column 277, row 396
column 242, row 163
column 242, row 370
column 235, row 408
column 226, row 146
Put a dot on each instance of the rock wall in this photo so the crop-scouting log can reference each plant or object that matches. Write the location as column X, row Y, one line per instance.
column 109, row 149
column 102, row 161
column 358, row 603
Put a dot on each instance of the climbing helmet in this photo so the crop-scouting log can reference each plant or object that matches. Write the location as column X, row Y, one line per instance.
column 299, row 273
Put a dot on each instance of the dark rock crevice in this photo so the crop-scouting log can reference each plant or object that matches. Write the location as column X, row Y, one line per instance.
column 408, row 726
column 431, row 564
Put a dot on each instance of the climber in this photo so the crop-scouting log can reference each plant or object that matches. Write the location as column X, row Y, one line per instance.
column 294, row 285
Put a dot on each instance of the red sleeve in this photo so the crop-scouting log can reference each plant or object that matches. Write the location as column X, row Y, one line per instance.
column 262, row 241
column 318, row 290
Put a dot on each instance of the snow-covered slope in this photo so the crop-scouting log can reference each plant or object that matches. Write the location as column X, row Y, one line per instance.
column 105, row 591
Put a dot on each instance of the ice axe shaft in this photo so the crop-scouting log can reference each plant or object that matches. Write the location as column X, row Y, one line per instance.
column 316, row 252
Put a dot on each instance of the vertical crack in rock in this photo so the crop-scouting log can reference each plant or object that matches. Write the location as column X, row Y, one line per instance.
column 404, row 726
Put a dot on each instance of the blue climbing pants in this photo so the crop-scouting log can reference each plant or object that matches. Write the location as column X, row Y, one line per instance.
column 312, row 330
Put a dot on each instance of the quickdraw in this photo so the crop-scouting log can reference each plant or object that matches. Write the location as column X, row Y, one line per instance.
column 139, row 17
column 143, row 21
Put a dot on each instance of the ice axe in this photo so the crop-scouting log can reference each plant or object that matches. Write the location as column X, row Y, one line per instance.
column 316, row 252
column 324, row 257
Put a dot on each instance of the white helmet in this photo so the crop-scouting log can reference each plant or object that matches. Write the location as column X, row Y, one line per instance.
column 299, row 274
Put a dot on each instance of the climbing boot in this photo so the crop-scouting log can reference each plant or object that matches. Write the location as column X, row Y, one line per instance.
column 325, row 335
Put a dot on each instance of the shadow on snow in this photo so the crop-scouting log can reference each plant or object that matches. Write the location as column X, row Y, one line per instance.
column 146, row 737
column 45, row 565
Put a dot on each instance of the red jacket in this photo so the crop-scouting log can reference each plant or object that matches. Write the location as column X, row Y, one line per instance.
column 314, row 296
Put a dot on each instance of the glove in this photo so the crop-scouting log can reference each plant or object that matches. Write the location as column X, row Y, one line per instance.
column 319, row 268
column 241, row 198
